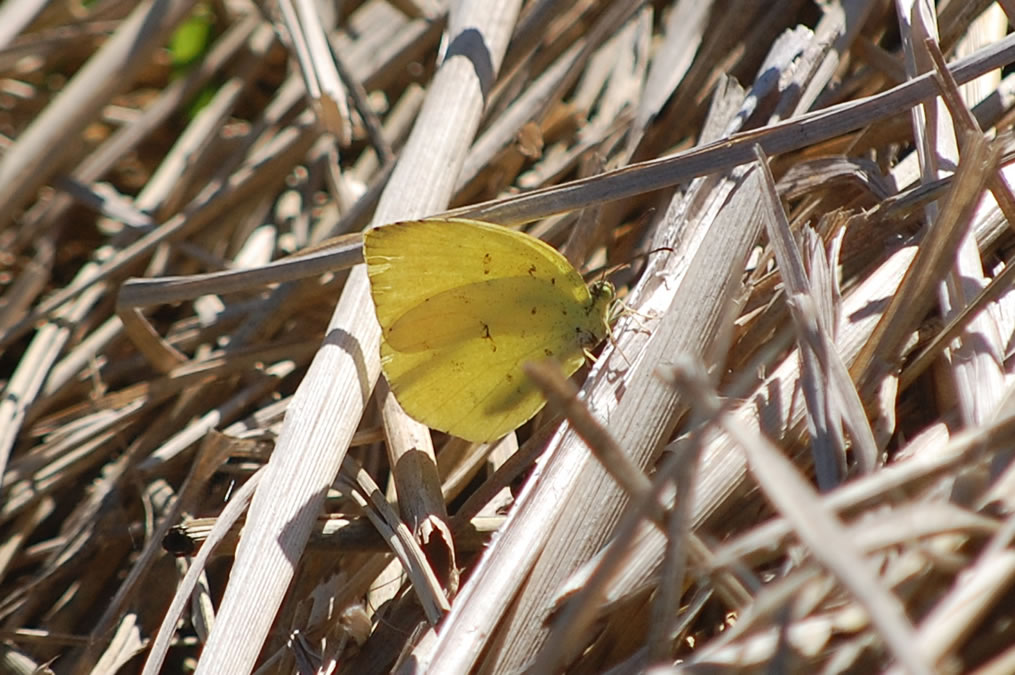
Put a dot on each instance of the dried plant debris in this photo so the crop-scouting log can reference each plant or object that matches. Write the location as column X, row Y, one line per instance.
column 792, row 453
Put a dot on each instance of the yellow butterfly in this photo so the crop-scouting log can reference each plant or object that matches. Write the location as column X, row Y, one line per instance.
column 462, row 306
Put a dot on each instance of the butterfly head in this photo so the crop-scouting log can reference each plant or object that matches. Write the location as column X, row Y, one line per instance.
column 604, row 297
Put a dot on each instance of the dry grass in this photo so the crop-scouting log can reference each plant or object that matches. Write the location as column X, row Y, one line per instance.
column 793, row 455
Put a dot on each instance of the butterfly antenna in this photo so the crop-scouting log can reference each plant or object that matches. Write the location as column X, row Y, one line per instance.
column 605, row 272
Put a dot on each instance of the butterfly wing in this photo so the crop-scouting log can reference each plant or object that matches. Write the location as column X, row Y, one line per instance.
column 462, row 306
column 455, row 361
column 410, row 261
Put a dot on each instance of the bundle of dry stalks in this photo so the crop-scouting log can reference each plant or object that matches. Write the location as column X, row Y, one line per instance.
column 793, row 455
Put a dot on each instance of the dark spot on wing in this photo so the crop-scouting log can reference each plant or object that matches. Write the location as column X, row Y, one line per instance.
column 486, row 336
